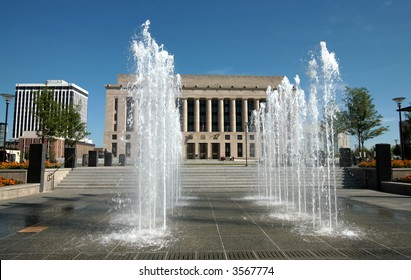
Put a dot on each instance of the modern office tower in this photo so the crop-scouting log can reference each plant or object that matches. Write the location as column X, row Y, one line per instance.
column 24, row 105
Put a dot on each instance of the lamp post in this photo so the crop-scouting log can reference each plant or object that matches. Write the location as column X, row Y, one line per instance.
column 399, row 100
column 246, row 143
column 7, row 97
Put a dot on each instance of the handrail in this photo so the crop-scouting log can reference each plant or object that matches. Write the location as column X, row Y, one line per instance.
column 51, row 175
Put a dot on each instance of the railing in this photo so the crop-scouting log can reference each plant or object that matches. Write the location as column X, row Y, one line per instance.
column 51, row 175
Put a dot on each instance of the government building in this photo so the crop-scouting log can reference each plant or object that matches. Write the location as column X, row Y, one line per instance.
column 215, row 114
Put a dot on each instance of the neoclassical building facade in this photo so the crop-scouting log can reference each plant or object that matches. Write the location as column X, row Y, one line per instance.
column 214, row 112
column 215, row 115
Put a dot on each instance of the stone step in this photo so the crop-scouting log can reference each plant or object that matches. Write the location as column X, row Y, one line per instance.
column 192, row 177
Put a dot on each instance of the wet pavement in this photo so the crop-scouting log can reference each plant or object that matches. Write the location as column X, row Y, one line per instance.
column 91, row 224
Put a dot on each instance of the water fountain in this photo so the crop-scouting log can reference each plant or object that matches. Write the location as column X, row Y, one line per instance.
column 155, row 89
column 297, row 167
column 152, row 92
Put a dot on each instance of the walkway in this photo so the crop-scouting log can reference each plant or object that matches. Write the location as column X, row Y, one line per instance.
column 87, row 223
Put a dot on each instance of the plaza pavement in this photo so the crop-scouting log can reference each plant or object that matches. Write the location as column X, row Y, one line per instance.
column 88, row 223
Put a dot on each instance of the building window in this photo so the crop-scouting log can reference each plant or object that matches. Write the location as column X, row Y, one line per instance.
column 115, row 113
column 190, row 114
column 114, row 137
column 250, row 107
column 227, row 137
column 114, row 149
column 239, row 150
column 203, row 115
column 226, row 115
column 214, row 114
column 128, row 149
column 128, row 136
column 239, row 137
column 252, row 137
column 227, row 150
column 238, row 114
column 130, row 114
column 252, row 149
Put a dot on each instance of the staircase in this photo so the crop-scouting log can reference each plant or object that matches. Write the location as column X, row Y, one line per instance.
column 99, row 177
column 194, row 178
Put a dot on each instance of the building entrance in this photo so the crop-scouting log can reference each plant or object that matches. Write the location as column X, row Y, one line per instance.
column 216, row 150
column 190, row 151
column 227, row 150
column 203, row 150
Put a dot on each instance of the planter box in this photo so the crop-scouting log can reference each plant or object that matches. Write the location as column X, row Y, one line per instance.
column 396, row 187
column 368, row 178
column 18, row 174
column 9, row 192
column 25, row 189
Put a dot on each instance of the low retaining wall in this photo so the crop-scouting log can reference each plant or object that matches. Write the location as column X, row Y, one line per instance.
column 396, row 187
column 8, row 192
column 18, row 174
column 368, row 178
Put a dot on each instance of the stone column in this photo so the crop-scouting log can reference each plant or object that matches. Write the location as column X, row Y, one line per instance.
column 256, row 104
column 208, row 116
column 245, row 112
column 221, row 115
column 185, row 115
column 197, row 115
column 232, row 116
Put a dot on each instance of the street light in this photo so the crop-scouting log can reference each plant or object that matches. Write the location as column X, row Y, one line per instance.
column 246, row 144
column 7, row 97
column 399, row 100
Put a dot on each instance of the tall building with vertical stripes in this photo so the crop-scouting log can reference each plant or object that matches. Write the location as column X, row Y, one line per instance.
column 25, row 103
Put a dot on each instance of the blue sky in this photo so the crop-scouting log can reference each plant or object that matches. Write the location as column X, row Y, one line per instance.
column 87, row 43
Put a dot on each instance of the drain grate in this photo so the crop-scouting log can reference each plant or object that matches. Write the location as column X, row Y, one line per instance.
column 70, row 256
column 30, row 257
column 385, row 253
column 300, row 254
column 270, row 255
column 405, row 251
column 8, row 256
column 357, row 254
column 211, row 256
column 181, row 256
column 241, row 255
column 84, row 256
column 329, row 254
column 130, row 256
column 151, row 256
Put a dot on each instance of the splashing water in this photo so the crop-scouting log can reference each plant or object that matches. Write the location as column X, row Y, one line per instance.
column 154, row 90
column 297, row 139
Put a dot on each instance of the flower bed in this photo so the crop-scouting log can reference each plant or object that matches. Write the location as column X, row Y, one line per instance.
column 8, row 182
column 25, row 165
column 406, row 179
column 394, row 164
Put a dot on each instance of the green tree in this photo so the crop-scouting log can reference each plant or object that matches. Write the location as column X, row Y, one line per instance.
column 73, row 128
column 48, row 115
column 58, row 122
column 360, row 118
